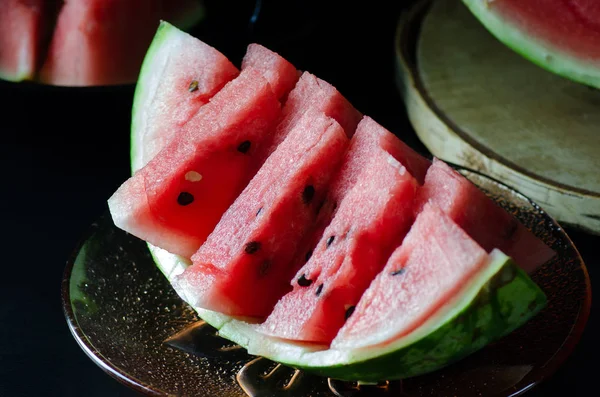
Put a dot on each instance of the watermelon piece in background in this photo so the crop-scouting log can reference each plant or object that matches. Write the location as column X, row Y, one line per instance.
column 561, row 36
column 103, row 42
column 24, row 25
column 435, row 259
column 179, row 75
column 100, row 42
column 484, row 220
column 281, row 74
column 370, row 222
column 175, row 201
column 243, row 268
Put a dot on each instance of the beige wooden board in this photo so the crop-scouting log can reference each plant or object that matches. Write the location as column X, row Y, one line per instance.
column 475, row 102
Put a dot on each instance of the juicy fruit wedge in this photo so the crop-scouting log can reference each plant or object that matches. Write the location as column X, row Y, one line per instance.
column 281, row 74
column 24, row 26
column 313, row 94
column 244, row 265
column 435, row 259
column 560, row 36
column 175, row 201
column 466, row 323
column 179, row 75
column 484, row 220
column 371, row 221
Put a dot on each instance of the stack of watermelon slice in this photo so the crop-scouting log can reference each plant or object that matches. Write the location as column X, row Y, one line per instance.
column 307, row 232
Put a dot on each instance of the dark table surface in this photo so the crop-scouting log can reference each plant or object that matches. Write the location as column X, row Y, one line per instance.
column 64, row 151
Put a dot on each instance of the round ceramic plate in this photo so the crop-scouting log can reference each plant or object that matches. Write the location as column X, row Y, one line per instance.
column 128, row 319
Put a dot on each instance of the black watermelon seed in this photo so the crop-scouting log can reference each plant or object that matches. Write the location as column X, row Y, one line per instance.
column 264, row 267
column 193, row 86
column 398, row 272
column 185, row 198
column 319, row 289
column 349, row 311
column 320, row 206
column 308, row 255
column 308, row 194
column 252, row 247
column 244, row 147
column 304, row 282
column 259, row 211
column 330, row 240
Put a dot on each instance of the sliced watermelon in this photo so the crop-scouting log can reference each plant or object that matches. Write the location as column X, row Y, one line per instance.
column 560, row 36
column 23, row 24
column 435, row 259
column 370, row 138
column 281, row 74
column 371, row 221
column 244, row 266
column 484, row 220
column 176, row 200
column 179, row 75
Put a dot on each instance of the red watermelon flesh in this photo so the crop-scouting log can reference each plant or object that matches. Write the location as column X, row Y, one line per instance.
column 371, row 221
column 484, row 220
column 175, row 201
column 191, row 72
column 23, row 24
column 97, row 42
column 370, row 137
column 573, row 26
column 309, row 93
column 281, row 74
column 433, row 262
column 243, row 268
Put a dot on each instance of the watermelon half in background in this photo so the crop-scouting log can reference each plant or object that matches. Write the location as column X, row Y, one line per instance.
column 84, row 42
column 560, row 36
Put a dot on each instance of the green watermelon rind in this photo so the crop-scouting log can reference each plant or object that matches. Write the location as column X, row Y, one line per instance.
column 498, row 300
column 146, row 87
column 536, row 51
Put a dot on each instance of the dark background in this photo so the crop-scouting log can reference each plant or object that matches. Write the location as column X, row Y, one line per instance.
column 64, row 152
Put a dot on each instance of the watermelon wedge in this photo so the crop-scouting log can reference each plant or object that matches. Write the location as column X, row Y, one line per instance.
column 562, row 37
column 24, row 26
column 434, row 261
column 281, row 74
column 179, row 75
column 175, row 201
column 371, row 221
column 244, row 265
column 312, row 93
column 485, row 221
